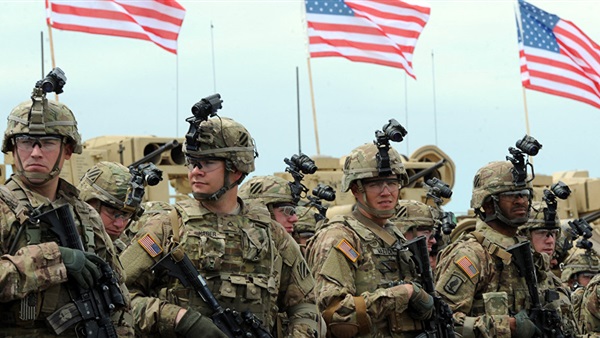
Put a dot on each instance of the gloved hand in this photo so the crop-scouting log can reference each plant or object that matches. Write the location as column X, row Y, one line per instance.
column 193, row 324
column 420, row 303
column 81, row 266
column 525, row 327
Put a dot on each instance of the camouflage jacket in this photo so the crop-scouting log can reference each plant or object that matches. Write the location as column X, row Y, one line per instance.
column 353, row 266
column 34, row 277
column 590, row 308
column 248, row 260
column 481, row 288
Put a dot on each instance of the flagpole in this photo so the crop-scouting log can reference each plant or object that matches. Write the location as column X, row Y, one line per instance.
column 526, row 112
column 212, row 46
column 310, row 82
column 177, row 95
column 298, row 111
column 434, row 103
column 42, row 50
column 51, row 41
column 406, row 110
column 314, row 111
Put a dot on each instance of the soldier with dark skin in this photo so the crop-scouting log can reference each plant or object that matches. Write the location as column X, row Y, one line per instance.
column 248, row 260
column 365, row 289
column 475, row 274
column 37, row 276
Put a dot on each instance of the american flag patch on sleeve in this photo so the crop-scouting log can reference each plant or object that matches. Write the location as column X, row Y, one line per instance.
column 150, row 245
column 348, row 250
column 467, row 266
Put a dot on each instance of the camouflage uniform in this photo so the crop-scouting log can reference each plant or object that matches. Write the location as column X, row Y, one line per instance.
column 248, row 260
column 476, row 276
column 356, row 269
column 110, row 184
column 579, row 261
column 590, row 308
column 151, row 208
column 33, row 278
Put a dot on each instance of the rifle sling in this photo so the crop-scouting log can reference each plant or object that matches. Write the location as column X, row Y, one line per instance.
column 493, row 249
column 174, row 225
column 64, row 318
column 375, row 228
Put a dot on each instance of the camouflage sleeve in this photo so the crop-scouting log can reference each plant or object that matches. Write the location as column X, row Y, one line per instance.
column 461, row 271
column 32, row 268
column 296, row 296
column 151, row 314
column 335, row 276
column 565, row 307
column 590, row 307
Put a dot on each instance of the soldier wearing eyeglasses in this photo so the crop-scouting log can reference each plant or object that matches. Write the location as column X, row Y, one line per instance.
column 366, row 288
column 475, row 274
column 248, row 260
column 40, row 278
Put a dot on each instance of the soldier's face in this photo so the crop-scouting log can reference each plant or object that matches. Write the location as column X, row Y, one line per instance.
column 513, row 205
column 428, row 234
column 286, row 216
column 208, row 178
column 381, row 193
column 544, row 240
column 40, row 158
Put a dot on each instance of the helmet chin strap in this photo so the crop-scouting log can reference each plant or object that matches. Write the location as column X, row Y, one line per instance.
column 382, row 214
column 45, row 177
column 498, row 215
column 219, row 193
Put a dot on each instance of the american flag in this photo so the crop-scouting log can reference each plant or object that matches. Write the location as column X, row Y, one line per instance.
column 383, row 32
column 158, row 21
column 557, row 57
column 150, row 245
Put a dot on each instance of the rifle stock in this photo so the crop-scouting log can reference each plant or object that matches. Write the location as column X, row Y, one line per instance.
column 231, row 322
column 441, row 324
column 547, row 320
column 95, row 305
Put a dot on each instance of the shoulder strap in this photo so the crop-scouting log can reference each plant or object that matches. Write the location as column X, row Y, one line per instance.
column 493, row 249
column 376, row 229
column 13, row 203
column 174, row 225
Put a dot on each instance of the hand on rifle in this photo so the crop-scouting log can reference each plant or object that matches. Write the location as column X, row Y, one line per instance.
column 190, row 323
column 524, row 327
column 81, row 266
column 420, row 303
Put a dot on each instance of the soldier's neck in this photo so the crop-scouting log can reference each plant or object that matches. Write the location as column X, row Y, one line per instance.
column 502, row 228
column 225, row 205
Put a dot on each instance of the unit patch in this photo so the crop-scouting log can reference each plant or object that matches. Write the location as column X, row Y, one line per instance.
column 348, row 250
column 467, row 266
column 150, row 245
column 454, row 283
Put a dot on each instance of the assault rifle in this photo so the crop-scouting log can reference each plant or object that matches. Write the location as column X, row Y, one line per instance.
column 95, row 305
column 231, row 322
column 440, row 325
column 547, row 320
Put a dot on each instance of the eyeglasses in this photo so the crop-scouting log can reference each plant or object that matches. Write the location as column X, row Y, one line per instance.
column 287, row 210
column 380, row 184
column 545, row 232
column 115, row 214
column 46, row 143
column 513, row 195
column 206, row 165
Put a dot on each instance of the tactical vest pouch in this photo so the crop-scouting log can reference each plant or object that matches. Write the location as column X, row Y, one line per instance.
column 496, row 303
column 402, row 322
column 254, row 244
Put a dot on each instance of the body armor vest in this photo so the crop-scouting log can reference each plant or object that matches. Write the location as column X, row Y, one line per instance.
column 32, row 311
column 237, row 257
column 383, row 266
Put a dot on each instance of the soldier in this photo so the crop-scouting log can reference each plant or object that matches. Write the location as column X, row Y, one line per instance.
column 105, row 187
column 590, row 308
column 304, row 229
column 38, row 278
column 274, row 193
column 249, row 261
column 364, row 289
column 415, row 219
column 475, row 274
column 542, row 234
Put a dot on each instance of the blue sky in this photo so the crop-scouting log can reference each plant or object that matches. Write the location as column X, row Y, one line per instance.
column 119, row 86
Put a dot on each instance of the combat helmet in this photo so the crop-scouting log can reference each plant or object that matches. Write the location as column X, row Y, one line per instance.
column 415, row 215
column 538, row 221
column 491, row 180
column 307, row 223
column 362, row 163
column 268, row 190
column 222, row 138
column 108, row 182
column 579, row 262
